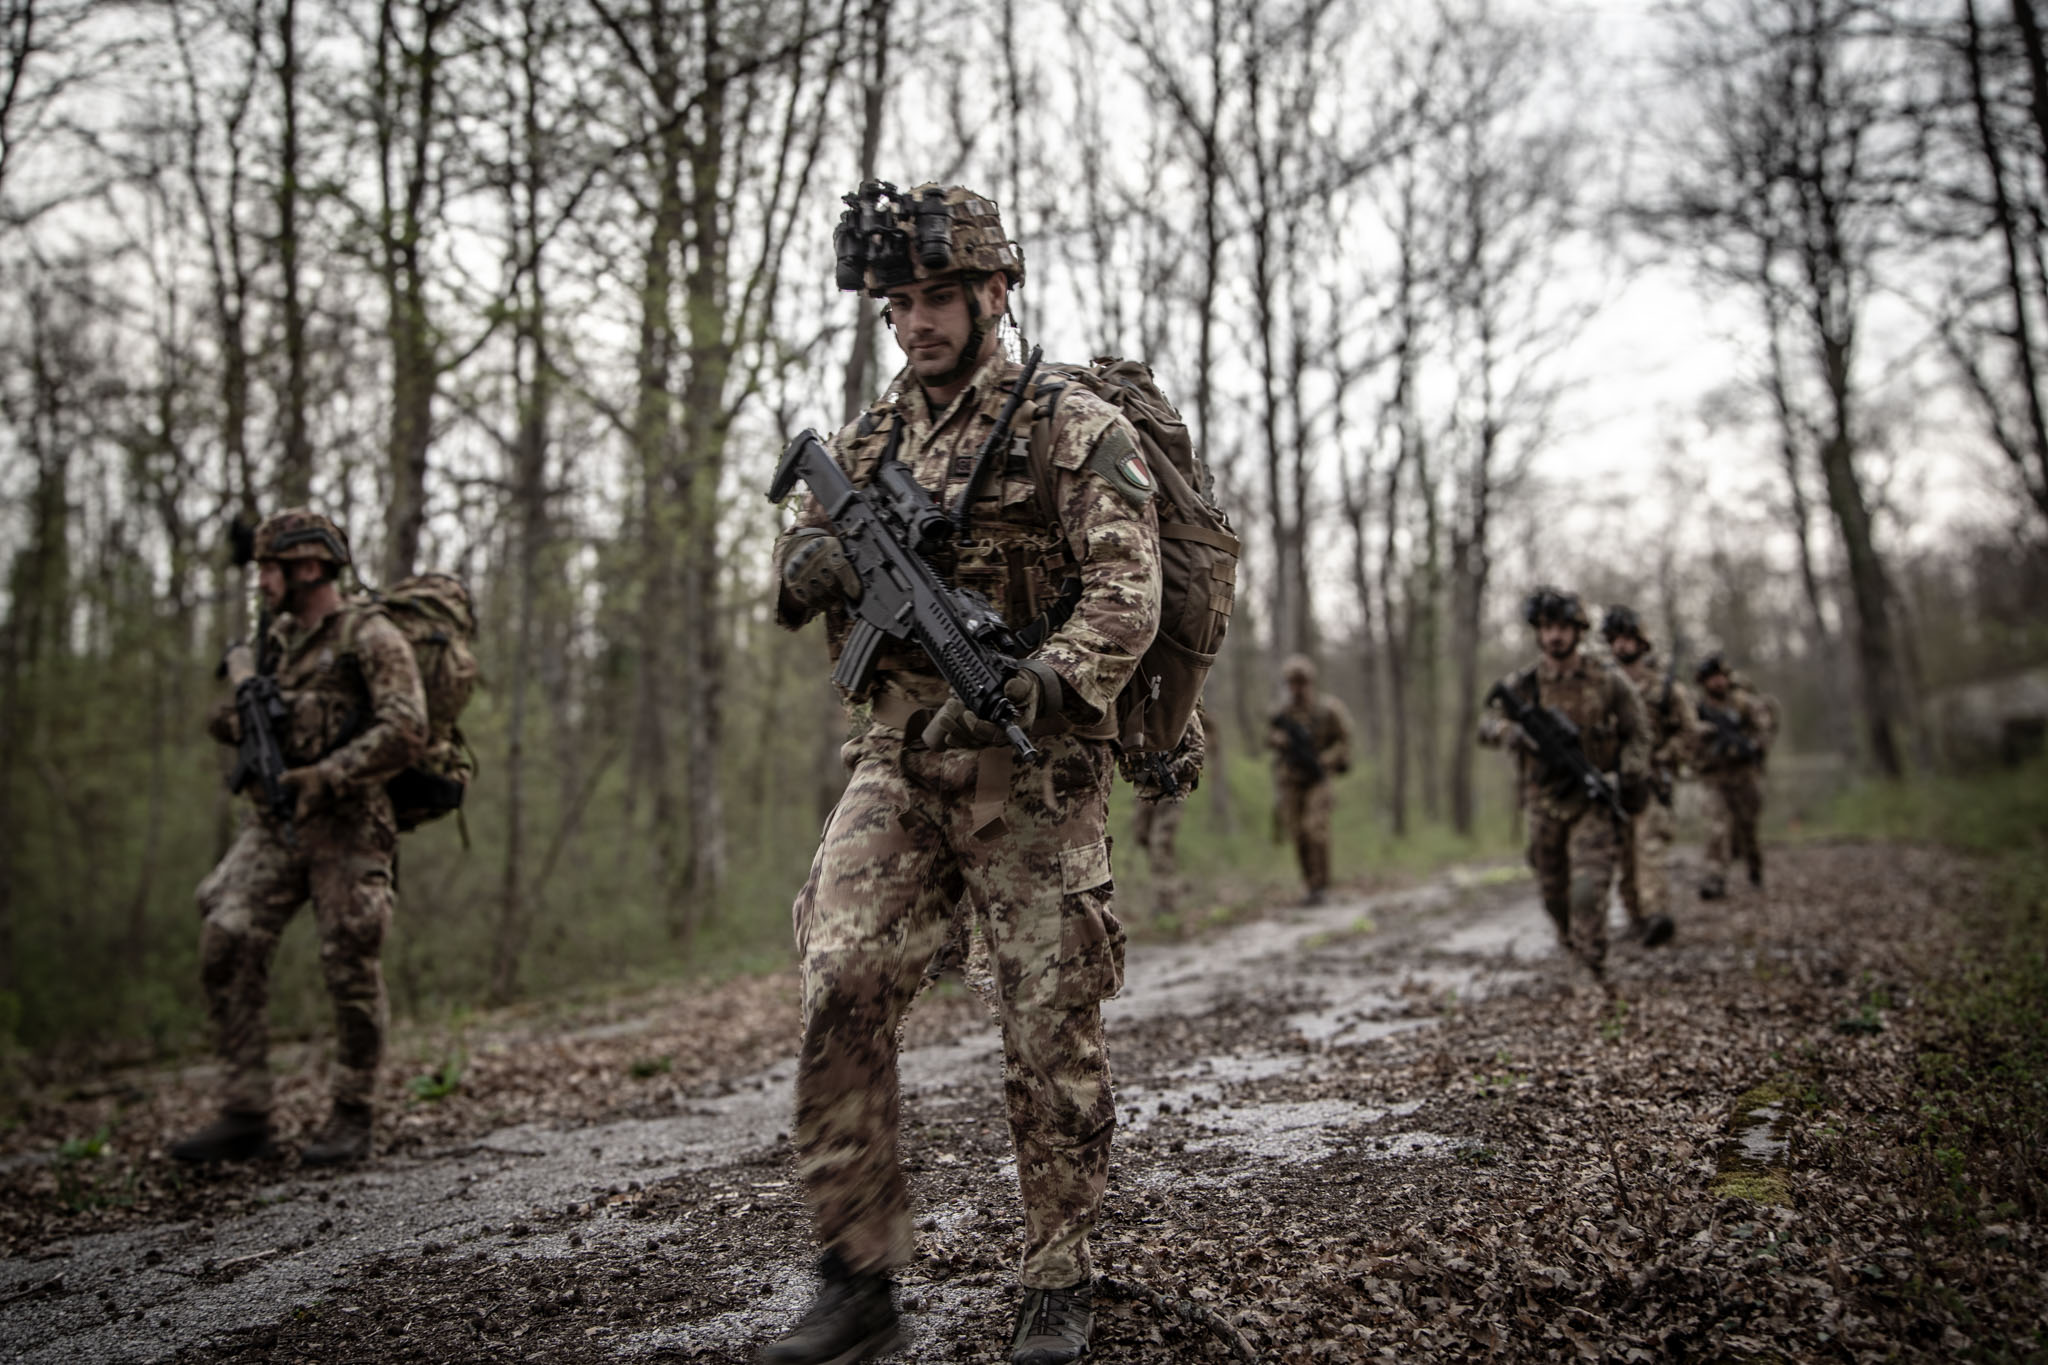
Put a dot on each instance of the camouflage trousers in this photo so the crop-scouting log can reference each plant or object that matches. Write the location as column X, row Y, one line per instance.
column 1645, row 884
column 1574, row 857
column 344, row 864
column 1303, row 814
column 1156, row 829
column 913, row 831
column 1735, row 801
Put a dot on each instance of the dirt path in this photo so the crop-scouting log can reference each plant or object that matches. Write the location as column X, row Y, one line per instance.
column 1390, row 1124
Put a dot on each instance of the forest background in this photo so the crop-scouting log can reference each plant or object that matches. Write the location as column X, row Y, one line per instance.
column 1732, row 310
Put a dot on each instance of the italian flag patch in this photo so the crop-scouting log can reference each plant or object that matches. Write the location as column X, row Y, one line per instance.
column 1132, row 467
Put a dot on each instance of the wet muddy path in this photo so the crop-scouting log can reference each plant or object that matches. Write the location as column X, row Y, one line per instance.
column 1398, row 1122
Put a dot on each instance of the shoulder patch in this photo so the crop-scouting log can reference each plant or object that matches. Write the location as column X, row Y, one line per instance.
column 1121, row 465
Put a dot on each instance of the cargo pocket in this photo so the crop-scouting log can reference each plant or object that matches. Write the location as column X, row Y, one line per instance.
column 1091, row 961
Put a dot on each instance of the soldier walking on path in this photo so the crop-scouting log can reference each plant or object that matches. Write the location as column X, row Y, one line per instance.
column 1310, row 737
column 937, row 804
column 1646, row 843
column 351, row 714
column 1733, row 741
column 1603, row 741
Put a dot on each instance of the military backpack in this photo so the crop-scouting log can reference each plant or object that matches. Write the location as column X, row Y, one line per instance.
column 433, row 612
column 1197, row 550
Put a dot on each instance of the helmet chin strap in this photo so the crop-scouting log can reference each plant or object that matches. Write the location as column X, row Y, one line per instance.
column 978, row 329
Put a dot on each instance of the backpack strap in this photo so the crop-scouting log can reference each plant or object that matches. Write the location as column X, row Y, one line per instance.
column 1045, row 412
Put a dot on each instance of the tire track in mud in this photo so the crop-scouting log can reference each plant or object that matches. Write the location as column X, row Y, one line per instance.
column 683, row 1236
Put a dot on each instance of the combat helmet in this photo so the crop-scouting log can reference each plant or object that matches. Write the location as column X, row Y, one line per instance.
column 1554, row 604
column 1620, row 621
column 1298, row 666
column 301, row 533
column 888, row 237
column 1709, row 666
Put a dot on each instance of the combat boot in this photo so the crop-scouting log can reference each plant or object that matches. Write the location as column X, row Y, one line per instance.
column 1053, row 1325
column 851, row 1318
column 1713, row 888
column 1658, row 931
column 343, row 1140
column 237, row 1135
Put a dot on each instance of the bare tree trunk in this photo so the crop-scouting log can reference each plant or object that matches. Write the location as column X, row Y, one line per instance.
column 534, row 380
column 295, row 467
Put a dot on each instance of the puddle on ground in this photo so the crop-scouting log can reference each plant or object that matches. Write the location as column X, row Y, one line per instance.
column 1757, row 1151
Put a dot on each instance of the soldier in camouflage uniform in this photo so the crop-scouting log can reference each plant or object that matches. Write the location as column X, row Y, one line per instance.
column 1646, row 844
column 936, row 804
column 1310, row 724
column 1732, row 743
column 1574, row 845
column 356, row 716
column 1162, row 801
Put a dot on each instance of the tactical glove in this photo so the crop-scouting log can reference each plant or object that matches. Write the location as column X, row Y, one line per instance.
column 316, row 786
column 1033, row 689
column 817, row 573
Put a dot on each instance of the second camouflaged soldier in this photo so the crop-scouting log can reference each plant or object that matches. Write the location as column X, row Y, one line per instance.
column 936, row 803
column 1310, row 737
column 1646, row 846
column 1574, row 845
column 354, row 716
column 1734, row 737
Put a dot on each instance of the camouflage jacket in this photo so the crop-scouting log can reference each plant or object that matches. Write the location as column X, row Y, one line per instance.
column 1614, row 728
column 1749, row 714
column 1105, row 536
column 1329, row 728
column 1674, row 722
column 352, row 688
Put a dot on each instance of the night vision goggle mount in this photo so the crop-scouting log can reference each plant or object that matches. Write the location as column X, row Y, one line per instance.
column 871, row 238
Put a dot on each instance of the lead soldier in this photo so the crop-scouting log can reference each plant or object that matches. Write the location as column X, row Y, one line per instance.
column 937, row 806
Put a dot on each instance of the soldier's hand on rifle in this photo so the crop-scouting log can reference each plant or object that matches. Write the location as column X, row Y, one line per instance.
column 1513, row 736
column 1032, row 689
column 817, row 573
column 315, row 787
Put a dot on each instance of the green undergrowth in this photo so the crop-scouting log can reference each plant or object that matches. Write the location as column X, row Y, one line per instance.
column 1980, row 1082
column 1233, row 866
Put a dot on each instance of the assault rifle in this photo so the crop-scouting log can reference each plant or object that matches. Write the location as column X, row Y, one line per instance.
column 1300, row 751
column 887, row 530
column 1729, row 743
column 1565, row 765
column 260, row 708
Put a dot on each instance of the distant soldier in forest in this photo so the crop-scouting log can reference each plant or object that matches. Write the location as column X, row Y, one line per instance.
column 938, row 803
column 1162, row 790
column 331, row 695
column 1582, row 741
column 1310, row 736
column 1646, row 843
column 1737, row 725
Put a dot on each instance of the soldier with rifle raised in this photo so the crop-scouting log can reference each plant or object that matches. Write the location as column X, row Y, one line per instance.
column 1310, row 736
column 1646, row 845
column 1730, row 746
column 990, row 608
column 1582, row 741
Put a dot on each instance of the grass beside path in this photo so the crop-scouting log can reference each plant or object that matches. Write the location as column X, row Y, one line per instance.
column 1975, row 1144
